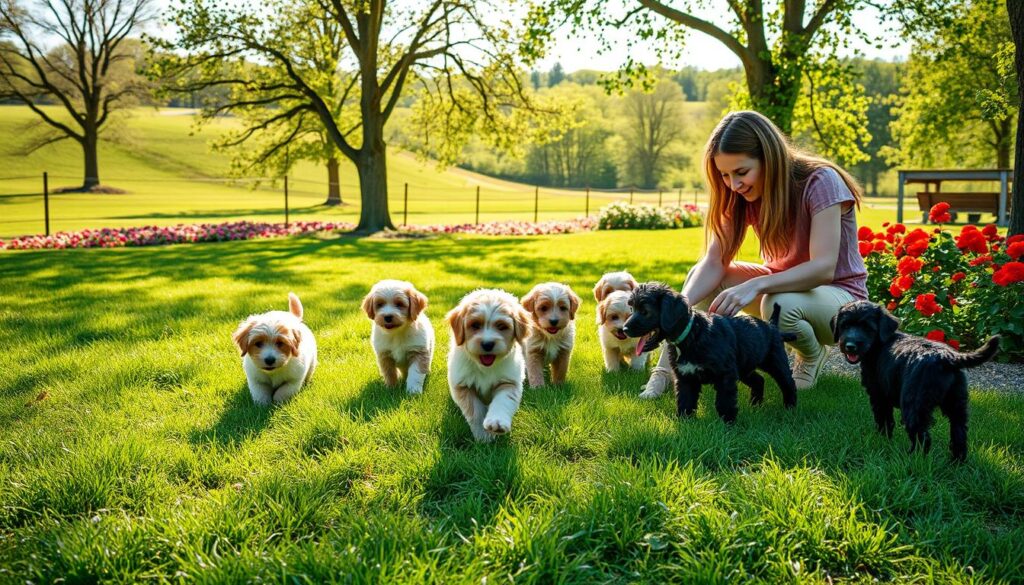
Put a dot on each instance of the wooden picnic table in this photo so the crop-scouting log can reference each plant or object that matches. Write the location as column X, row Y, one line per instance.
column 960, row 201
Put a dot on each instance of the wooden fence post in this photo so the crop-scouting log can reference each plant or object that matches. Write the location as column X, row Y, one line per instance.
column 405, row 206
column 46, row 201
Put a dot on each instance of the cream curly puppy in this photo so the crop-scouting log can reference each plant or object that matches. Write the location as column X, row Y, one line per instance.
column 402, row 336
column 485, row 361
column 613, row 281
column 278, row 353
column 552, row 307
column 617, row 347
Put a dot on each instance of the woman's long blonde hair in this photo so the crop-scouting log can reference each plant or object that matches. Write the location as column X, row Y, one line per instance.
column 784, row 169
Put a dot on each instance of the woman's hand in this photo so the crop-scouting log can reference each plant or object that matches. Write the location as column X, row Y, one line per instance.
column 732, row 300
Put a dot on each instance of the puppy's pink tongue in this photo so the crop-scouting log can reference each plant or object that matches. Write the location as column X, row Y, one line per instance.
column 487, row 359
column 640, row 344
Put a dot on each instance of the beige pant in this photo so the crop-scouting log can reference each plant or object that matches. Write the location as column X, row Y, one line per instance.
column 808, row 314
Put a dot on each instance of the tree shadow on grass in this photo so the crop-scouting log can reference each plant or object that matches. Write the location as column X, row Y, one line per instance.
column 240, row 420
column 470, row 481
column 375, row 399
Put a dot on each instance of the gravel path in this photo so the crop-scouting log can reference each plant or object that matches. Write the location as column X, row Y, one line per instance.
column 988, row 376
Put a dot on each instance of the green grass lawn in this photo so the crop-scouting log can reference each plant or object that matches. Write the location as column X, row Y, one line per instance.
column 171, row 177
column 131, row 451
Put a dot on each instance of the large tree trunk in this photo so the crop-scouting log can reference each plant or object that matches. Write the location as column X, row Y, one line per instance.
column 1003, row 148
column 373, row 189
column 333, row 188
column 92, row 163
column 774, row 94
column 1016, row 10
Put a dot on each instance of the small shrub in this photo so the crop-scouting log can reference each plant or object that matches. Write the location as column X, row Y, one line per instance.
column 621, row 215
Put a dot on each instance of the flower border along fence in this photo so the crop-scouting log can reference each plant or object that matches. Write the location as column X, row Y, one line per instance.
column 955, row 288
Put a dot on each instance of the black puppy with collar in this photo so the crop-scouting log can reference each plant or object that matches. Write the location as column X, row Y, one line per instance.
column 711, row 349
column 911, row 373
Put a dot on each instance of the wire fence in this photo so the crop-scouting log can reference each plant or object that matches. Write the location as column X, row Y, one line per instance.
column 31, row 204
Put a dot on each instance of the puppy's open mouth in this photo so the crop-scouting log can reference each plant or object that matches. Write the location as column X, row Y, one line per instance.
column 487, row 359
column 852, row 358
column 552, row 330
column 620, row 335
column 648, row 342
column 390, row 325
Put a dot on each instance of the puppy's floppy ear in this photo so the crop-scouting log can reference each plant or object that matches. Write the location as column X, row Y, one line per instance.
column 241, row 335
column 368, row 302
column 574, row 303
column 602, row 312
column 632, row 283
column 832, row 323
column 887, row 324
column 295, row 338
column 456, row 320
column 673, row 309
column 529, row 302
column 599, row 290
column 521, row 324
column 417, row 302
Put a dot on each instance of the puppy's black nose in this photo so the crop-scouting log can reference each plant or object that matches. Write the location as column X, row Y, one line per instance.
column 387, row 318
column 487, row 345
column 553, row 322
column 269, row 360
column 850, row 347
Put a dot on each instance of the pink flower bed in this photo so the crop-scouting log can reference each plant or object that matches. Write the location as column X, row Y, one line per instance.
column 178, row 234
column 510, row 228
column 247, row 230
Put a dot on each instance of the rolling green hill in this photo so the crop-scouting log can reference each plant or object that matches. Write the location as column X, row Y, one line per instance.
column 171, row 175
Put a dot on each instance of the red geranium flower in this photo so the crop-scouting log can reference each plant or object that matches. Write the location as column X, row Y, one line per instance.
column 891, row 306
column 909, row 265
column 970, row 239
column 916, row 242
column 936, row 335
column 865, row 248
column 1015, row 239
column 865, row 233
column 880, row 245
column 990, row 231
column 980, row 260
column 926, row 305
column 957, row 277
column 1015, row 250
column 939, row 213
column 1009, row 273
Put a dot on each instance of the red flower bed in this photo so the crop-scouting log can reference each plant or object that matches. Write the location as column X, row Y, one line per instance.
column 957, row 288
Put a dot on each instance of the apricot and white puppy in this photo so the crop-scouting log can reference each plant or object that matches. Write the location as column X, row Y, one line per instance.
column 402, row 336
column 616, row 346
column 278, row 353
column 613, row 281
column 485, row 361
column 552, row 307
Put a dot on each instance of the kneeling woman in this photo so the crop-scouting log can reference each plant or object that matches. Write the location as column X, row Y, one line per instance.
column 802, row 209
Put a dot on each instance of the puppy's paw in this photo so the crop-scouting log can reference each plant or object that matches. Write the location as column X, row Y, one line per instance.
column 497, row 425
column 481, row 434
column 655, row 385
column 260, row 397
column 412, row 389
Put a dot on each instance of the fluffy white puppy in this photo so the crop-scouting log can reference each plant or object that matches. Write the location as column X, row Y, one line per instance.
column 485, row 361
column 616, row 346
column 278, row 353
column 552, row 307
column 613, row 281
column 402, row 336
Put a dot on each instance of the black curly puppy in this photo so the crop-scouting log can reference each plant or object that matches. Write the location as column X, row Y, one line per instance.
column 710, row 349
column 907, row 372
